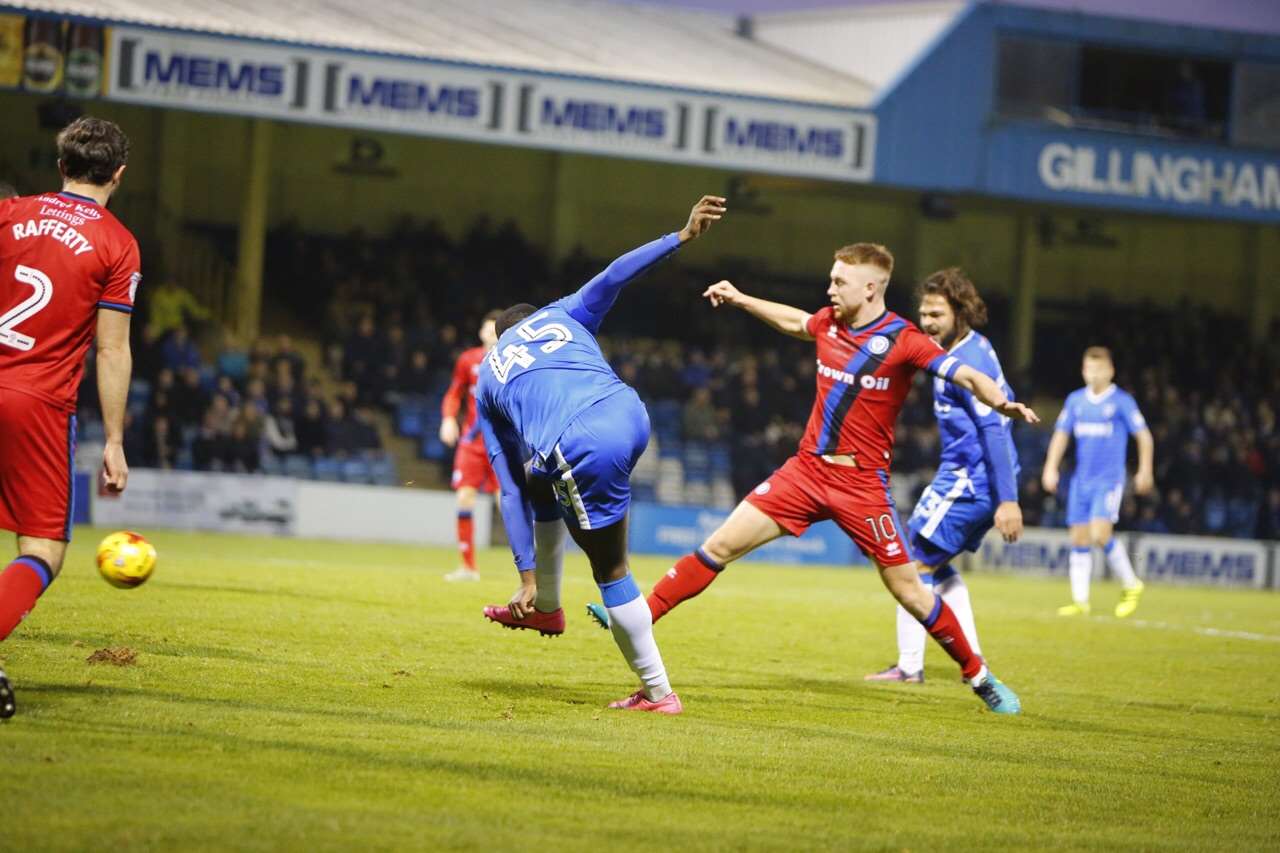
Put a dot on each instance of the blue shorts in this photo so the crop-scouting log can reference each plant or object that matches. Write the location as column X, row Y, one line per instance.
column 953, row 515
column 1090, row 500
column 593, row 461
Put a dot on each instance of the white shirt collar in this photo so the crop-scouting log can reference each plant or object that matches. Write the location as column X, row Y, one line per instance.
column 1100, row 396
column 962, row 341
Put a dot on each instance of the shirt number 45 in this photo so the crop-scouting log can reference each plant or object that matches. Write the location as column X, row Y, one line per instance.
column 519, row 355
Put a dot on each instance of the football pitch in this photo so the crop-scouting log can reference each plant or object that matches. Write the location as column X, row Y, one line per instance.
column 296, row 695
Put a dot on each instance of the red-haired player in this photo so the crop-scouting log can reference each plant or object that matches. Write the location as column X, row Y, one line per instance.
column 68, row 271
column 471, row 469
column 866, row 357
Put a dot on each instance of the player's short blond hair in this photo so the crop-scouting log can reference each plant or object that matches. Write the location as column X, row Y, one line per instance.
column 866, row 253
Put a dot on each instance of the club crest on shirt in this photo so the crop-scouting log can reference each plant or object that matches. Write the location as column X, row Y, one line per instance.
column 763, row 488
column 1108, row 410
column 879, row 345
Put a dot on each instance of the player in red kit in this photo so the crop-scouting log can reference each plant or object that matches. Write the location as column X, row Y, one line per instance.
column 69, row 271
column 866, row 358
column 471, row 469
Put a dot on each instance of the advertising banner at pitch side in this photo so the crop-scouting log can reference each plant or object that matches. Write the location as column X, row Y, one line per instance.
column 197, row 500
column 424, row 97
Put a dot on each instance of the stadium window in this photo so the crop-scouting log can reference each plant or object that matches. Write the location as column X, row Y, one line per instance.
column 1153, row 93
column 1255, row 113
column 1036, row 78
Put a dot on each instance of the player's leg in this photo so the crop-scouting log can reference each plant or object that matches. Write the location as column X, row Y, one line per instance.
column 1106, row 512
column 629, row 619
column 784, row 503
column 549, row 537
column 37, row 443
column 547, row 617
column 465, row 497
column 864, row 509
column 1080, row 562
column 746, row 529
column 597, row 454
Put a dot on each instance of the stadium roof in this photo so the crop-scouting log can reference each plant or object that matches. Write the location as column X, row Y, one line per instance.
column 592, row 38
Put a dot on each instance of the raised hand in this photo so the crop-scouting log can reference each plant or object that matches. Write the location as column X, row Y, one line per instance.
column 1019, row 410
column 708, row 209
column 722, row 293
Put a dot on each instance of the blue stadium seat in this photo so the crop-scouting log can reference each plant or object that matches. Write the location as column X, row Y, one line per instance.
column 297, row 466
column 383, row 470
column 272, row 465
column 356, row 470
column 433, row 448
column 410, row 417
column 327, row 469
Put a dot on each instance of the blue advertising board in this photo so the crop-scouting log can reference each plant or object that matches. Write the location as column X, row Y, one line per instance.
column 677, row 530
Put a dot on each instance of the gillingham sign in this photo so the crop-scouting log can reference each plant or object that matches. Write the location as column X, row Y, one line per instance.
column 1143, row 174
column 428, row 98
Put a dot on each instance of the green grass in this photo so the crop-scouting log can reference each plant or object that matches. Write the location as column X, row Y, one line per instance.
column 305, row 695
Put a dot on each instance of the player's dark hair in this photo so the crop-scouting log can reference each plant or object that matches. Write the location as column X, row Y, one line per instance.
column 7, row 191
column 512, row 315
column 954, row 286
column 92, row 149
column 1099, row 352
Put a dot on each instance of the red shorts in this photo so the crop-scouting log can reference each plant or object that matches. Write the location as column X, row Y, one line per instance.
column 471, row 467
column 37, row 443
column 806, row 490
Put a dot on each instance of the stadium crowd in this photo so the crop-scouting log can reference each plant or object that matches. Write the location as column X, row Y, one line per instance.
column 398, row 309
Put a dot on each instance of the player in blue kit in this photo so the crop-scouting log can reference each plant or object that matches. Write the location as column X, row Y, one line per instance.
column 976, row 486
column 1101, row 417
column 554, row 414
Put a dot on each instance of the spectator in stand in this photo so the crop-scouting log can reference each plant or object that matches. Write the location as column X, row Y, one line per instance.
column 179, row 351
column 417, row 377
column 279, row 431
column 255, row 393
column 171, row 307
column 312, row 429
column 342, row 433
column 233, row 360
column 699, row 418
column 287, row 354
column 362, row 351
column 188, row 397
column 161, row 450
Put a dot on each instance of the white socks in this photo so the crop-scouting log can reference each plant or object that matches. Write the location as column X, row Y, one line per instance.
column 1081, row 568
column 1118, row 560
column 632, row 627
column 954, row 592
column 948, row 584
column 548, row 546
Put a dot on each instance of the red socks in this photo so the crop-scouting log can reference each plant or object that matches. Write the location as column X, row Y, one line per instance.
column 690, row 575
column 466, row 548
column 943, row 626
column 21, row 583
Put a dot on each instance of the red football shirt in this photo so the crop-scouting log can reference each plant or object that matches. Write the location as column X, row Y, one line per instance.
column 62, row 257
column 864, row 375
column 465, row 373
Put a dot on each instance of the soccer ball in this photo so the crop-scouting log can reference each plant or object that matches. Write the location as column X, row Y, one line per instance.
column 125, row 559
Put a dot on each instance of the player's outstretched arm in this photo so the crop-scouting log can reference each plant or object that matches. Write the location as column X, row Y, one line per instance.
column 1144, row 479
column 594, row 299
column 1053, row 461
column 985, row 389
column 506, row 457
column 786, row 319
column 115, row 364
